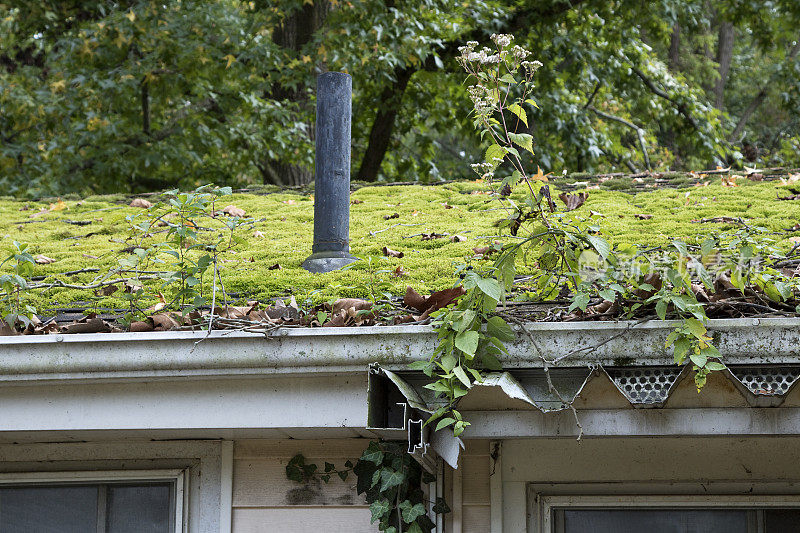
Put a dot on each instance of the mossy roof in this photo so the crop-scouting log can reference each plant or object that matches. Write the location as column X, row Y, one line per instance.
column 285, row 222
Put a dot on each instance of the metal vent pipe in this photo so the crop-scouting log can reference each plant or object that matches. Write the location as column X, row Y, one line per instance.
column 331, row 248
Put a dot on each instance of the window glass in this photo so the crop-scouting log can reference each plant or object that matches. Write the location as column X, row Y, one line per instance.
column 48, row 509
column 655, row 521
column 88, row 508
column 780, row 520
column 138, row 509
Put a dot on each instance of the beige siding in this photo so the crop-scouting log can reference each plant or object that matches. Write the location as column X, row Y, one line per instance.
column 264, row 500
column 468, row 490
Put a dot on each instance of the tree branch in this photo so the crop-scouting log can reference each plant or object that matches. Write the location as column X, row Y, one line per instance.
column 681, row 107
column 639, row 131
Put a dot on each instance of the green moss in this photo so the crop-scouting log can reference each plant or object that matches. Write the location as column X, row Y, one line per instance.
column 285, row 218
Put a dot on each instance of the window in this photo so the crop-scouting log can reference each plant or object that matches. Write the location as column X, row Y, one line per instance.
column 96, row 502
column 670, row 514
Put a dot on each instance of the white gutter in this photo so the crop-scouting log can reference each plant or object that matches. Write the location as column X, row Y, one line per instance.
column 337, row 350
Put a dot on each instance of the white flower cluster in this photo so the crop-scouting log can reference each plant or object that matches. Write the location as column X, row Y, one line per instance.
column 502, row 40
column 519, row 53
column 484, row 170
column 483, row 56
column 531, row 67
column 481, row 98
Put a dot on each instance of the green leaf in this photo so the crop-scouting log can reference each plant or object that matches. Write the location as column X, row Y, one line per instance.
column 523, row 140
column 661, row 309
column 448, row 362
column 497, row 327
column 467, row 342
column 490, row 287
column 372, row 454
column 520, row 112
column 608, row 294
column 414, row 528
column 699, row 359
column 444, row 422
column 379, row 508
column 491, row 362
column 682, row 346
column 495, row 151
column 391, row 478
column 412, row 513
column 599, row 244
column 696, row 327
column 462, row 376
column 714, row 365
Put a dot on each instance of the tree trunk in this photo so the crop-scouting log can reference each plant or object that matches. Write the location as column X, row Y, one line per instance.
column 381, row 133
column 296, row 31
column 674, row 60
column 724, row 56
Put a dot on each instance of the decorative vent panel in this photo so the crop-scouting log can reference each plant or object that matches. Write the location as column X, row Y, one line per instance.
column 645, row 386
column 767, row 380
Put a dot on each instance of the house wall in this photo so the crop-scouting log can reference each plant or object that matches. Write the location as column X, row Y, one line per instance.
column 207, row 507
column 265, row 500
column 467, row 490
column 745, row 465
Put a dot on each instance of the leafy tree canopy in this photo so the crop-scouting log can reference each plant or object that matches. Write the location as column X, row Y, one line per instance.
column 138, row 95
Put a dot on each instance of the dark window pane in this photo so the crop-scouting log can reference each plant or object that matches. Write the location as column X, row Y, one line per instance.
column 48, row 509
column 139, row 508
column 781, row 520
column 655, row 521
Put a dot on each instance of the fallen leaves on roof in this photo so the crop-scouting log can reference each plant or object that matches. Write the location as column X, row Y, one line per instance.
column 141, row 202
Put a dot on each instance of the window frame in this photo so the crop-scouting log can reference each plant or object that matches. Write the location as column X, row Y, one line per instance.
column 550, row 503
column 89, row 477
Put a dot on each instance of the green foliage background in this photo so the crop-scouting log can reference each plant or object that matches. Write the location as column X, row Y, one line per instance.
column 136, row 95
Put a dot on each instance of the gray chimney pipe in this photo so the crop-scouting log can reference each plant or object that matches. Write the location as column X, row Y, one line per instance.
column 331, row 249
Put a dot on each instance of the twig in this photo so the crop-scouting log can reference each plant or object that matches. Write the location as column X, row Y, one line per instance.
column 590, row 349
column 373, row 233
column 59, row 283
column 546, row 368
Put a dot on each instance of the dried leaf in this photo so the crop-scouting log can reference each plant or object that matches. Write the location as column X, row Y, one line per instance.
column 108, row 290
column 89, row 256
column 165, row 322
column 390, row 217
column 540, row 176
column 447, row 206
column 88, row 324
column 729, row 181
column 289, row 202
column 642, row 216
column 458, row 238
column 6, row 330
column 141, row 326
column 399, row 272
column 388, row 252
column 431, row 236
column 435, row 301
column 141, row 202
column 756, row 176
column 414, row 299
column 356, row 201
column 24, row 207
column 43, row 260
column 234, row 211
column 484, row 251
column 573, row 201
column 276, row 266
column 58, row 206
column 258, row 235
